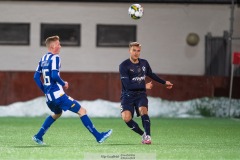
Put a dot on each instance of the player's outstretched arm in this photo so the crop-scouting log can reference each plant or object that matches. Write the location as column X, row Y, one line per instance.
column 169, row 85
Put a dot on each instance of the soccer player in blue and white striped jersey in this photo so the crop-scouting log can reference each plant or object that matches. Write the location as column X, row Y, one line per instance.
column 53, row 88
column 133, row 72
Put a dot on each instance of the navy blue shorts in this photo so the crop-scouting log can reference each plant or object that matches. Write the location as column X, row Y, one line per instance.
column 133, row 102
column 65, row 103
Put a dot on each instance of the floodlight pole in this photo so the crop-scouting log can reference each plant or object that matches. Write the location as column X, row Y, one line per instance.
column 230, row 52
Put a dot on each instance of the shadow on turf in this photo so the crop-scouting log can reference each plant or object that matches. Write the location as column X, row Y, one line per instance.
column 32, row 146
column 127, row 144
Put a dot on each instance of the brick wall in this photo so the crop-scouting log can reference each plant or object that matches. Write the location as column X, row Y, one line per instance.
column 20, row 86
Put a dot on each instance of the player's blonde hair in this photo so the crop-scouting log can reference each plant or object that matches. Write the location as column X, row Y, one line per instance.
column 131, row 44
column 51, row 39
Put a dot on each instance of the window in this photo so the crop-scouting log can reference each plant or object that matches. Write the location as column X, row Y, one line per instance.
column 69, row 33
column 115, row 35
column 14, row 33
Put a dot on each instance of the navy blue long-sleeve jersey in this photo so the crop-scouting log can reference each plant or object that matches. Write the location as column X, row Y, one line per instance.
column 133, row 76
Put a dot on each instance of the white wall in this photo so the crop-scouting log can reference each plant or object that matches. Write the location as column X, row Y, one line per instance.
column 236, row 30
column 162, row 32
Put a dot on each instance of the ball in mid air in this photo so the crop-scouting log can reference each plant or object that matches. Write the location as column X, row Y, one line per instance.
column 135, row 11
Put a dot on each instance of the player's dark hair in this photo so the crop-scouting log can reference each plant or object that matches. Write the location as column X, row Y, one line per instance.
column 51, row 39
column 131, row 44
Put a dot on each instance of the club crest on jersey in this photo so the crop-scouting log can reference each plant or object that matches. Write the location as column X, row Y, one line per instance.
column 143, row 68
column 139, row 70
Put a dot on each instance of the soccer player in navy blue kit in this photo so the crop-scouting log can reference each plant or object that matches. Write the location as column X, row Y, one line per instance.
column 133, row 72
column 57, row 100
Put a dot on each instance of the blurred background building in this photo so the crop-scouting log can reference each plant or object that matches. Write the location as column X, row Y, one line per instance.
column 189, row 43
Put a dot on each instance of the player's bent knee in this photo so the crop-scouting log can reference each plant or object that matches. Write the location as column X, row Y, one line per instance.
column 126, row 119
column 143, row 110
column 126, row 116
column 82, row 111
column 56, row 116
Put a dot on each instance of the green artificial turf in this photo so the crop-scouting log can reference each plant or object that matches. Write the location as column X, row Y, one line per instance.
column 201, row 138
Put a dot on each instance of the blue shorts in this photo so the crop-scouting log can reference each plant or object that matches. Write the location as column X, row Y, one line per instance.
column 65, row 103
column 133, row 102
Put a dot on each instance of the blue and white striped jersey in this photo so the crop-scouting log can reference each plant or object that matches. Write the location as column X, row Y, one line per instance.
column 49, row 67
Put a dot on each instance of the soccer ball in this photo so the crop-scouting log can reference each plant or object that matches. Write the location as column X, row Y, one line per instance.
column 135, row 11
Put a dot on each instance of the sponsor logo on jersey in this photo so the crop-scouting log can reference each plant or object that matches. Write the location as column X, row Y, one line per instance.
column 44, row 63
column 139, row 78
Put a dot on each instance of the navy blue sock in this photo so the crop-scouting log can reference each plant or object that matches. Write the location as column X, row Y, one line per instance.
column 146, row 124
column 134, row 126
column 143, row 123
column 47, row 123
column 88, row 124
